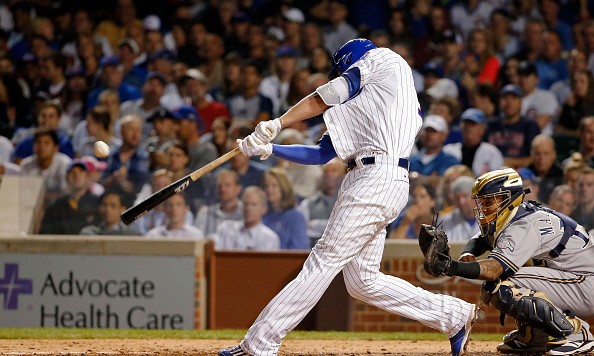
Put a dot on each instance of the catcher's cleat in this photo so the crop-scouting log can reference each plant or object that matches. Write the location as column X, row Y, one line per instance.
column 528, row 341
column 233, row 351
column 573, row 348
column 460, row 340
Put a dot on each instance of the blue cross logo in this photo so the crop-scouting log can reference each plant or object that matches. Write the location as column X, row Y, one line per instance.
column 11, row 286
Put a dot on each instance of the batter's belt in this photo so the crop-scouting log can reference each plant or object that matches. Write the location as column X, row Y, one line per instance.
column 366, row 160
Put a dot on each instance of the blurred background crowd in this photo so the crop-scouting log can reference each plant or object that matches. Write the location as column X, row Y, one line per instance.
column 170, row 85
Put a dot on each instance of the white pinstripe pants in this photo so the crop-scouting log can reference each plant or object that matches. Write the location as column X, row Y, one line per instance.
column 370, row 197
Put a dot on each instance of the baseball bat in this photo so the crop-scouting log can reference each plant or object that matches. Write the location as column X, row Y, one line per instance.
column 178, row 186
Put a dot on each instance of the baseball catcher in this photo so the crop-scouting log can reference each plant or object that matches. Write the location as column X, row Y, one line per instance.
column 539, row 269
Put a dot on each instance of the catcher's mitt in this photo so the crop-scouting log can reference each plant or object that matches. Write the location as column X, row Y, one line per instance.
column 434, row 245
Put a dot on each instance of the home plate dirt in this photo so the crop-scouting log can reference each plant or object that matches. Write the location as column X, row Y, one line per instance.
column 210, row 347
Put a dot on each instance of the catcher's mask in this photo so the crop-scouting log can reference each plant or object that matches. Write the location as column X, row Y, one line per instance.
column 348, row 54
column 497, row 194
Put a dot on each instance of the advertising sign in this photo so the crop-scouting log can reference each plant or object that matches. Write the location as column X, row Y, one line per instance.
column 96, row 291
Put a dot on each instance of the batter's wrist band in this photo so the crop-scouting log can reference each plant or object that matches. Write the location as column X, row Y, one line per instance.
column 470, row 270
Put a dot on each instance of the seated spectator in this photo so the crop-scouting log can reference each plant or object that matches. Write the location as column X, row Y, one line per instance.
column 552, row 64
column 460, row 223
column 512, row 133
column 111, row 75
column 249, row 105
column 111, row 205
column 586, row 134
column 98, row 129
column 250, row 172
column 219, row 135
column 176, row 209
column 445, row 198
column 48, row 163
column 228, row 206
column 48, row 118
column 539, row 105
column 71, row 212
column 282, row 216
column 152, row 91
column 196, row 88
column 431, row 161
column 96, row 169
column 109, row 100
column 473, row 152
column 448, row 108
column 578, row 104
column 530, row 181
column 545, row 165
column 165, row 125
column 480, row 44
column 317, row 208
column 418, row 212
column 188, row 131
column 572, row 168
column 563, row 199
column 305, row 179
column 248, row 233
column 127, row 166
column 577, row 60
column 584, row 212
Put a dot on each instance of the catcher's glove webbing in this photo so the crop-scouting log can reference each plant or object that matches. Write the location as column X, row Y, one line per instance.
column 434, row 245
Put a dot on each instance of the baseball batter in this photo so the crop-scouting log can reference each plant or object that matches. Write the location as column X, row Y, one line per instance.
column 540, row 269
column 372, row 114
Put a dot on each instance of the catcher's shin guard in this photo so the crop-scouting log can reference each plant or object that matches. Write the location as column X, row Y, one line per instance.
column 532, row 308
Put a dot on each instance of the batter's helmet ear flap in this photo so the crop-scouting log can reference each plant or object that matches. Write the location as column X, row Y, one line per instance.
column 348, row 54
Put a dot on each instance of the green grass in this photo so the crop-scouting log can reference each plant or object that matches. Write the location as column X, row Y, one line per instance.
column 50, row 333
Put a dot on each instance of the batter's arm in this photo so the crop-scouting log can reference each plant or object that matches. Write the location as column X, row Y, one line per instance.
column 310, row 106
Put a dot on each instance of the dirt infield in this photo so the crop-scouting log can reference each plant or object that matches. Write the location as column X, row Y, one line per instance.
column 210, row 347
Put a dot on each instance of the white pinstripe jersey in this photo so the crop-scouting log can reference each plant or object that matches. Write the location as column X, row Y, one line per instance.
column 384, row 115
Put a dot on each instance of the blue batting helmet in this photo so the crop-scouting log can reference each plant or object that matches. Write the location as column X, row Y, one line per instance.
column 348, row 54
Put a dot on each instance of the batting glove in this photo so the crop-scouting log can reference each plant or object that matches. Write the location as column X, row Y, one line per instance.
column 266, row 131
column 251, row 147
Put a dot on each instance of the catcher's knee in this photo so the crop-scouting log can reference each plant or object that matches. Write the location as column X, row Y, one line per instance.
column 531, row 308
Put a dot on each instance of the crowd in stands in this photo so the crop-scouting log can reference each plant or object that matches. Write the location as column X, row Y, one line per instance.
column 170, row 85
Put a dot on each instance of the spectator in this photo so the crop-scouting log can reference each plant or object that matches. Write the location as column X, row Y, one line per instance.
column 545, row 165
column 338, row 31
column 584, row 212
column 164, row 135
column 586, row 134
column 448, row 108
column 176, row 208
column 8, row 168
column 577, row 61
column 111, row 205
column 84, row 26
column 228, row 206
column 445, row 198
column 196, row 87
column 484, row 98
column 578, row 104
column 470, row 14
column 250, row 172
column 115, row 29
column 552, row 65
column 572, row 168
column 530, row 182
column 108, row 100
column 96, row 169
column 248, row 233
column 532, row 44
column 188, row 124
column 282, row 216
column 431, row 161
column 249, row 105
column 128, row 52
column 48, row 163
column 53, row 71
column 550, row 13
column 111, row 76
column 145, row 107
column 537, row 104
column 98, row 129
column 563, row 199
column 505, row 42
column 128, row 165
column 450, row 49
column 276, row 86
column 71, row 212
column 213, row 65
column 219, row 135
column 480, row 44
column 292, row 24
column 75, row 97
column 419, row 211
column 480, row 156
column 512, row 133
column 48, row 118
column 460, row 223
column 317, row 208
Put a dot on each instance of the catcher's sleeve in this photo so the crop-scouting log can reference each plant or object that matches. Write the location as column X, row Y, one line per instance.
column 476, row 246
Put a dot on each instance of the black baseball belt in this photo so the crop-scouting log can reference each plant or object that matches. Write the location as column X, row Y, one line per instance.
column 352, row 163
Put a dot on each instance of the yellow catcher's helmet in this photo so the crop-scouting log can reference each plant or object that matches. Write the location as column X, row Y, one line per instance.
column 497, row 194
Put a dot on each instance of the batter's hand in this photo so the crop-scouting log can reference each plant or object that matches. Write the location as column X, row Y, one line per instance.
column 250, row 146
column 266, row 131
